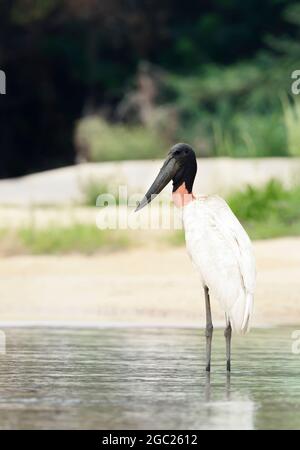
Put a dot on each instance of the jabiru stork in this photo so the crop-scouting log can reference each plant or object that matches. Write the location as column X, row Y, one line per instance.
column 218, row 245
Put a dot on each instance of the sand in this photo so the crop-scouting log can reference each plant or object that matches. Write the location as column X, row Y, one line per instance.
column 153, row 287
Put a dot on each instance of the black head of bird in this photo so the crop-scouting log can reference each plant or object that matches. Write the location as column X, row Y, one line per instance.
column 180, row 166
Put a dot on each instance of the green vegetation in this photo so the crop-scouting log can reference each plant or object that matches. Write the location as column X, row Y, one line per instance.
column 292, row 124
column 78, row 238
column 209, row 73
column 92, row 188
column 108, row 142
column 234, row 111
column 238, row 111
column 269, row 211
column 91, row 191
column 54, row 239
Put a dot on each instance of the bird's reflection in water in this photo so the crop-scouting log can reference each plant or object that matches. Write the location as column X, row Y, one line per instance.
column 208, row 388
column 225, row 408
column 228, row 386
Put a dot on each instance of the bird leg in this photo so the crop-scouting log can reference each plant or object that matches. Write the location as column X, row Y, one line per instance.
column 227, row 334
column 209, row 328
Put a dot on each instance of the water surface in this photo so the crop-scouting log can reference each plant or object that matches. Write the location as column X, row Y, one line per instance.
column 146, row 378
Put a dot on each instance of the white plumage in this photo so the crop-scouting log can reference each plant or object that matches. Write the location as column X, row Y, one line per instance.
column 222, row 253
column 217, row 243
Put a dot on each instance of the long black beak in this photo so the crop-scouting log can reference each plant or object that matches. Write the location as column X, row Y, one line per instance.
column 164, row 176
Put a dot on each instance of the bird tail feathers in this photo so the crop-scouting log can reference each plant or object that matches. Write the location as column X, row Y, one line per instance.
column 240, row 313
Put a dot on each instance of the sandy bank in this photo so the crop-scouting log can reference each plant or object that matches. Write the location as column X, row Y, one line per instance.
column 140, row 287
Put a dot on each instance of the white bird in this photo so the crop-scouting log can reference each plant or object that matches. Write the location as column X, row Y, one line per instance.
column 217, row 243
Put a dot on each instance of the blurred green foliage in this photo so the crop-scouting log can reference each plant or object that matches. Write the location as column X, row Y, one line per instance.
column 226, row 66
column 91, row 190
column 95, row 187
column 237, row 111
column 268, row 211
column 111, row 142
column 78, row 238
column 292, row 124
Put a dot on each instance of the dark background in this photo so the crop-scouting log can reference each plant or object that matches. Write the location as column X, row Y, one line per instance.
column 65, row 59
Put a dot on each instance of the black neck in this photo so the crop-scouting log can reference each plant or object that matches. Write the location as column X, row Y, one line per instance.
column 186, row 175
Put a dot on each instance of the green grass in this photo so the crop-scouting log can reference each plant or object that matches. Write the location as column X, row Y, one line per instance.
column 78, row 238
column 245, row 116
column 292, row 125
column 93, row 188
column 251, row 136
column 91, row 191
column 115, row 142
column 268, row 211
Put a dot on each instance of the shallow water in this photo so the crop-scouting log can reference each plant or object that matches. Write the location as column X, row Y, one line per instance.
column 147, row 378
